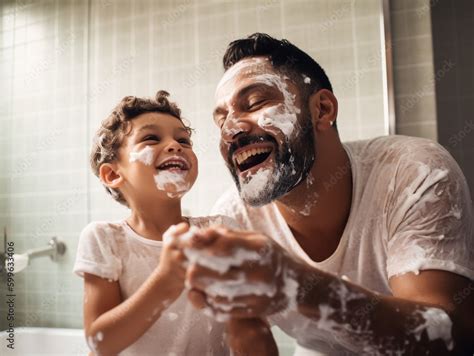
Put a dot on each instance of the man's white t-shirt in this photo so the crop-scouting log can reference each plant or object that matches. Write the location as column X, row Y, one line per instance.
column 411, row 211
column 112, row 250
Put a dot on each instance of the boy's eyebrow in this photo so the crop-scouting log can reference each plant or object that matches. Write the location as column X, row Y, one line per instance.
column 182, row 129
column 149, row 126
column 157, row 127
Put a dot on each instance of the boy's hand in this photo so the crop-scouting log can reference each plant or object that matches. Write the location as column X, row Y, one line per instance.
column 171, row 268
column 248, row 337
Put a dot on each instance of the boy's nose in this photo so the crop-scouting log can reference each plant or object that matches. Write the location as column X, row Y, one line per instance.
column 174, row 147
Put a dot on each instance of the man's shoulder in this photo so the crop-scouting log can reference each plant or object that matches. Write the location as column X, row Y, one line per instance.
column 229, row 201
column 403, row 144
column 399, row 149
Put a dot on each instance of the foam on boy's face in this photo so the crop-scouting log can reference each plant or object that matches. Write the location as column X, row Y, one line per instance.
column 160, row 157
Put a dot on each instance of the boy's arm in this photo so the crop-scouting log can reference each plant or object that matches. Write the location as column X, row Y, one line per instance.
column 112, row 325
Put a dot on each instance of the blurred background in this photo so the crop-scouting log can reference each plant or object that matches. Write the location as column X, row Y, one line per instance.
column 397, row 67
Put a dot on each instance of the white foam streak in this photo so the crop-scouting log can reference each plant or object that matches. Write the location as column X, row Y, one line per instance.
column 174, row 183
column 145, row 156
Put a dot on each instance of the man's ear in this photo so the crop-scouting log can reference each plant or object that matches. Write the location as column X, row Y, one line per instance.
column 110, row 176
column 323, row 109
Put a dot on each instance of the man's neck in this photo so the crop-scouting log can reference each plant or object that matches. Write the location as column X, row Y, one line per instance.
column 317, row 209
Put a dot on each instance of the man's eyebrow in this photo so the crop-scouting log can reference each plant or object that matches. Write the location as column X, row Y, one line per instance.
column 242, row 92
column 251, row 87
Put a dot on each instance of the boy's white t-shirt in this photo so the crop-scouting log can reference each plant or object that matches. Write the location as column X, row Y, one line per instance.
column 411, row 210
column 112, row 250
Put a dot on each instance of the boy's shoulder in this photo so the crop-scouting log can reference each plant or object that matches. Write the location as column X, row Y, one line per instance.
column 207, row 221
column 100, row 229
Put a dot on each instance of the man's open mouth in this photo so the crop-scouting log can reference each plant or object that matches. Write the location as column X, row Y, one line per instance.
column 174, row 164
column 252, row 156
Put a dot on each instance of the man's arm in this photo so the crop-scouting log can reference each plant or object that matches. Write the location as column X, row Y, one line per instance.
column 421, row 317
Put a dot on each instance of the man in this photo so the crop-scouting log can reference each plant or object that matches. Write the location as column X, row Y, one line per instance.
column 359, row 247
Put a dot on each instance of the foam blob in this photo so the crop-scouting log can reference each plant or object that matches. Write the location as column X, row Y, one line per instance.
column 173, row 183
column 437, row 325
column 145, row 156
column 251, row 186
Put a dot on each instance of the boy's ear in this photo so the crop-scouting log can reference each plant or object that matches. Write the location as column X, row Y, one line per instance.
column 110, row 176
column 323, row 108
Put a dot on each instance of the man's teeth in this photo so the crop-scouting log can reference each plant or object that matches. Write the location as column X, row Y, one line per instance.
column 242, row 156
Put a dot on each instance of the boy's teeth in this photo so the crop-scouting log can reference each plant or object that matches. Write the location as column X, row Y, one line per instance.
column 173, row 164
column 242, row 156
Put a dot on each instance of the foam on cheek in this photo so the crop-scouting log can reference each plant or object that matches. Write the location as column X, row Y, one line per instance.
column 283, row 118
column 173, row 183
column 145, row 156
column 437, row 325
column 277, row 118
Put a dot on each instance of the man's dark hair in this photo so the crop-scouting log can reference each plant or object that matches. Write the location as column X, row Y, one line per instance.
column 284, row 56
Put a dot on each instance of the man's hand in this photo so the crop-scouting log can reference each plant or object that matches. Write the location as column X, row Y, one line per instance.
column 237, row 274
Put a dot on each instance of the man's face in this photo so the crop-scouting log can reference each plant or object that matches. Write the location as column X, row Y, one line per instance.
column 267, row 137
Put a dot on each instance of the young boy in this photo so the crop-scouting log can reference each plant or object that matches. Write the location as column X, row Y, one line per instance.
column 133, row 282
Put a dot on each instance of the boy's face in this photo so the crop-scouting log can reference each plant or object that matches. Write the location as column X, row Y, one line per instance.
column 156, row 159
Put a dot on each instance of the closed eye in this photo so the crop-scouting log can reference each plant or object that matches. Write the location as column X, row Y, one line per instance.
column 185, row 141
column 151, row 138
column 255, row 105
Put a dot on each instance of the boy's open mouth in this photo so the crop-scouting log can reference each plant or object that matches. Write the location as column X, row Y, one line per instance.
column 174, row 164
column 252, row 156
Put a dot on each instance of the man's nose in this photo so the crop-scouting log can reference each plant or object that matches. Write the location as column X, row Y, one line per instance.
column 233, row 127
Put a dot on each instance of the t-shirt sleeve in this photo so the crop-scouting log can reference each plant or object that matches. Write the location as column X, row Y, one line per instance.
column 431, row 219
column 96, row 253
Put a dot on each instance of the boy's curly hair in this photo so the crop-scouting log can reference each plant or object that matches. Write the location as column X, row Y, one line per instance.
column 109, row 137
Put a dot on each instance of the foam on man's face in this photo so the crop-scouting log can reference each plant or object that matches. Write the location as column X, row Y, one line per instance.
column 276, row 114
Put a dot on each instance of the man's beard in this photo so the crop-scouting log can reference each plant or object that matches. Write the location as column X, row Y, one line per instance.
column 294, row 159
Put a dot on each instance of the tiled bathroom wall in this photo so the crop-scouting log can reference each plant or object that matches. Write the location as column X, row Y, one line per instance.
column 453, row 54
column 433, row 53
column 413, row 68
column 65, row 64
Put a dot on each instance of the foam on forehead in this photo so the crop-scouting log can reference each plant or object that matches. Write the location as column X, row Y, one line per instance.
column 249, row 65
